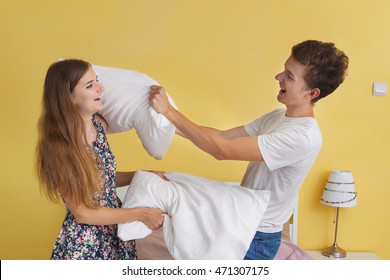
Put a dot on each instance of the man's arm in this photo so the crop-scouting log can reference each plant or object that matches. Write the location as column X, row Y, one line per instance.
column 233, row 144
column 229, row 134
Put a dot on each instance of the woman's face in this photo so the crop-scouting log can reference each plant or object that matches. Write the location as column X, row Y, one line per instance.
column 87, row 94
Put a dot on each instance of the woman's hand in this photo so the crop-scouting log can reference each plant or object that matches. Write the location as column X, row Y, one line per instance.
column 153, row 218
column 158, row 99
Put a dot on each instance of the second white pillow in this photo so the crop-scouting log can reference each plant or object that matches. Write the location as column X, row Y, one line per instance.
column 126, row 106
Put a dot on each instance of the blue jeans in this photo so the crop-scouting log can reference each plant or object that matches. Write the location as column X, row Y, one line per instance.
column 264, row 246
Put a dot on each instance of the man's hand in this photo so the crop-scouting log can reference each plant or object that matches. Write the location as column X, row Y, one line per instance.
column 158, row 99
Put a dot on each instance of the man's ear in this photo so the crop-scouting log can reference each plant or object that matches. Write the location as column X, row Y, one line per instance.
column 314, row 93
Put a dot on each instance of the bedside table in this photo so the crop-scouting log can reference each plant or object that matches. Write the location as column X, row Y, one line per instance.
column 317, row 255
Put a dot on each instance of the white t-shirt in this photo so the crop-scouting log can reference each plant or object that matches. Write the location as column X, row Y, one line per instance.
column 289, row 147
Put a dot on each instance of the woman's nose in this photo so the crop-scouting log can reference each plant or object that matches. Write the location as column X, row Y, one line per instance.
column 101, row 88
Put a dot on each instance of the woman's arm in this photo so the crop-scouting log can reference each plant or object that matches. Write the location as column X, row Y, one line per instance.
column 151, row 217
column 234, row 144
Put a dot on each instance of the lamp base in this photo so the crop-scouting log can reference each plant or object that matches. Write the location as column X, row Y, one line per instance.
column 334, row 251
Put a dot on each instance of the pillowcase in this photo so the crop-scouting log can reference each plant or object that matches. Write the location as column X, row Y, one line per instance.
column 126, row 106
column 205, row 219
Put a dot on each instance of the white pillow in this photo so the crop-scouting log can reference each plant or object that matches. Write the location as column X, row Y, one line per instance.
column 206, row 219
column 126, row 106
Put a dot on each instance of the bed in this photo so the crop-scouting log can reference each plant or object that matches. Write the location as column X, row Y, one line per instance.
column 152, row 245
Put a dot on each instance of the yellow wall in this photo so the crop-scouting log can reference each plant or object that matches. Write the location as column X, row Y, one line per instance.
column 218, row 60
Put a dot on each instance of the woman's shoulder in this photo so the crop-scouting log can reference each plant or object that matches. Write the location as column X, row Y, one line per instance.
column 100, row 120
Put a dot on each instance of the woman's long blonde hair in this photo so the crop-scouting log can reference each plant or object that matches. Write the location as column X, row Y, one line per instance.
column 66, row 165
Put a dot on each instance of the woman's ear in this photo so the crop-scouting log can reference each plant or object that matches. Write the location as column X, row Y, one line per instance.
column 72, row 100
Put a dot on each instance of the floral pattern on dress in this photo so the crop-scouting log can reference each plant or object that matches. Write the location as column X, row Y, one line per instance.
column 95, row 242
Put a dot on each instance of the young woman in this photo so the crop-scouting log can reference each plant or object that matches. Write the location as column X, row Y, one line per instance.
column 75, row 164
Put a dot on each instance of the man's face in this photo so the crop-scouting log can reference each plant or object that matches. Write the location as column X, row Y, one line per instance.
column 293, row 87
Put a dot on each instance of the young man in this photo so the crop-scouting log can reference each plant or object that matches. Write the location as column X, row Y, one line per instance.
column 281, row 146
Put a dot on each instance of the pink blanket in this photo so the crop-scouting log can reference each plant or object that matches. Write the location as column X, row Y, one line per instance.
column 290, row 251
column 153, row 247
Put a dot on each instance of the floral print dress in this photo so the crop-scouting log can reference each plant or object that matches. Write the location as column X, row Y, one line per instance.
column 95, row 242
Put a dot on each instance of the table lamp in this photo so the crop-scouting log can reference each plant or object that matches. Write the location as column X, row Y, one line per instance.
column 338, row 192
